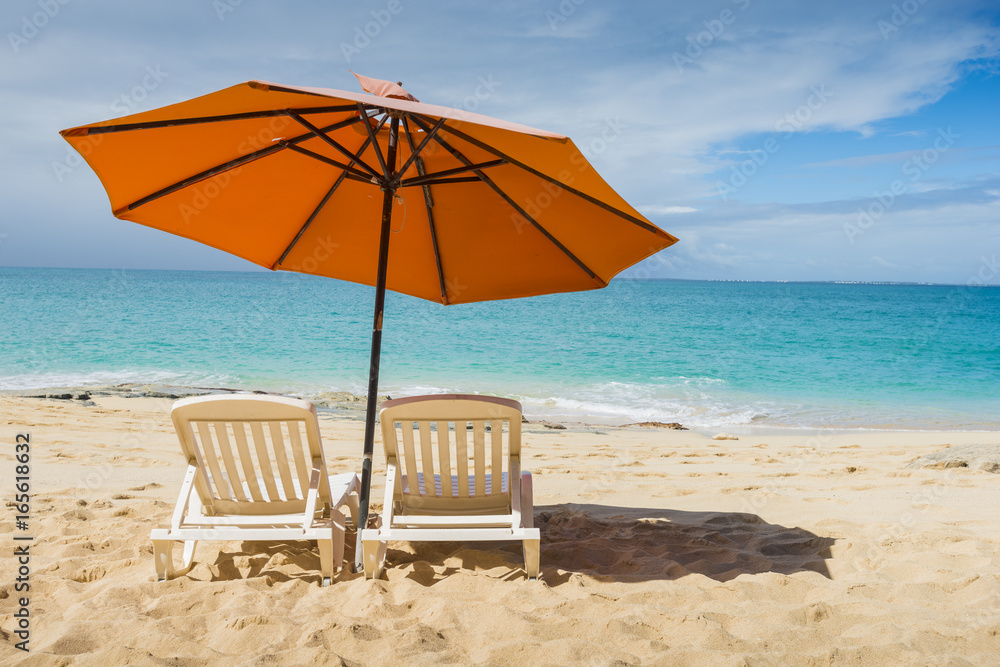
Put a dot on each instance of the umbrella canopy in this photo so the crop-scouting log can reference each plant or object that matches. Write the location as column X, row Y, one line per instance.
column 287, row 178
column 333, row 183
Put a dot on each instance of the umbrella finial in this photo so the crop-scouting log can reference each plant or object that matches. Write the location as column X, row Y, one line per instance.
column 384, row 88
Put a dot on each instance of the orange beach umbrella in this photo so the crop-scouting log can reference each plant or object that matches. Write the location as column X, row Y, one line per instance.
column 374, row 188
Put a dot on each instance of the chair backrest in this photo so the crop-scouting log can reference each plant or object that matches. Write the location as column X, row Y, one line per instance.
column 452, row 451
column 255, row 453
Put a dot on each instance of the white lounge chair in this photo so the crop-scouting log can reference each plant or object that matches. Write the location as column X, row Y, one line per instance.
column 485, row 496
column 256, row 472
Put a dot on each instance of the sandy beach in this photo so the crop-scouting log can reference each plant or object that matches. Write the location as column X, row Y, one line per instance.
column 659, row 547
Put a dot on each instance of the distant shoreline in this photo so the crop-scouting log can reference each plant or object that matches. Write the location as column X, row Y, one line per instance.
column 619, row 278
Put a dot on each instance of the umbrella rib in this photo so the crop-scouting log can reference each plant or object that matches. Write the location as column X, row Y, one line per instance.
column 312, row 216
column 371, row 135
column 496, row 188
column 443, row 181
column 370, row 140
column 208, row 173
column 329, row 140
column 360, row 175
column 155, row 124
column 428, row 204
column 593, row 200
column 450, row 172
column 225, row 166
column 309, row 220
column 415, row 152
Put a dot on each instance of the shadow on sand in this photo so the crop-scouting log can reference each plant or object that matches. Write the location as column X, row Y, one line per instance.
column 609, row 543
column 642, row 544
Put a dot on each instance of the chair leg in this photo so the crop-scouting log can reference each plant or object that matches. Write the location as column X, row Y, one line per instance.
column 531, row 558
column 326, row 549
column 527, row 501
column 354, row 506
column 374, row 556
column 331, row 551
column 163, row 559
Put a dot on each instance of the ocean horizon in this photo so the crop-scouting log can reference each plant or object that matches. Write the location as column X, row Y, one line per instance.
column 708, row 354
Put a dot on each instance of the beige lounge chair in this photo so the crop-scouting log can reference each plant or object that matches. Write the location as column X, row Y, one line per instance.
column 485, row 496
column 256, row 472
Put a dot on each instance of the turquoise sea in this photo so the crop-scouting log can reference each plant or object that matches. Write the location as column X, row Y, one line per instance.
column 706, row 354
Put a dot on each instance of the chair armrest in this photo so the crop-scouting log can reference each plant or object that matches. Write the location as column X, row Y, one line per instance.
column 390, row 487
column 527, row 501
column 184, row 498
column 310, row 512
column 514, row 487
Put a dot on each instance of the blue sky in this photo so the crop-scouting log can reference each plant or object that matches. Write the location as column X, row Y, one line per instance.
column 855, row 140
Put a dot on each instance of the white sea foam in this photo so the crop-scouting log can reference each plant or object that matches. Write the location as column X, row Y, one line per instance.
column 695, row 402
column 692, row 401
column 139, row 377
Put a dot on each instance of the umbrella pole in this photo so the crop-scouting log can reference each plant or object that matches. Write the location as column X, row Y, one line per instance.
column 372, row 404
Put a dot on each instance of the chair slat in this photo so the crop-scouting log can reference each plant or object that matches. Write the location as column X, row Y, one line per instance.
column 281, row 458
column 496, row 467
column 304, row 470
column 222, row 438
column 462, row 458
column 427, row 458
column 479, row 442
column 444, row 459
column 264, row 460
column 246, row 460
column 410, row 458
column 208, row 451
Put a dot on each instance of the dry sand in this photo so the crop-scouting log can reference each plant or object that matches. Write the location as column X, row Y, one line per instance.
column 658, row 547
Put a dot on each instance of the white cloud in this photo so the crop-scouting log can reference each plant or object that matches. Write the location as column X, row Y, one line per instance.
column 659, row 209
column 779, row 70
column 802, row 67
